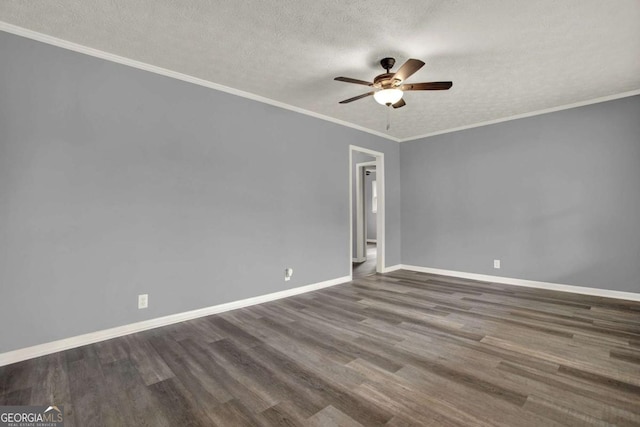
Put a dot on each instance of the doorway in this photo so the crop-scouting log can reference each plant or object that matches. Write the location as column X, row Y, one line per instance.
column 367, row 211
column 368, row 218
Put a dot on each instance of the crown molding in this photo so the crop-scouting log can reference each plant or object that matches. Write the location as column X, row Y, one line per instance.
column 54, row 41
column 529, row 114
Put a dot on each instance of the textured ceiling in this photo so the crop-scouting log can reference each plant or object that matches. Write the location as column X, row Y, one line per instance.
column 505, row 58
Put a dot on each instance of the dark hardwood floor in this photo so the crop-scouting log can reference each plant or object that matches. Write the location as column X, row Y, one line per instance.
column 396, row 349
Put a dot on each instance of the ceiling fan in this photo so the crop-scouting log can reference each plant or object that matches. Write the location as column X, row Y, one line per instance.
column 390, row 86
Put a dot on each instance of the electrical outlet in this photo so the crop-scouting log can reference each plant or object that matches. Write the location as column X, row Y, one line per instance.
column 143, row 301
column 288, row 272
column 496, row 264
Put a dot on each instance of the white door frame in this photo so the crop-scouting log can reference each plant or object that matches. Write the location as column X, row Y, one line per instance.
column 361, row 252
column 380, row 216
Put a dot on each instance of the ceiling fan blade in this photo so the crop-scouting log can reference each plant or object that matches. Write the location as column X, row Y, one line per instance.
column 350, row 80
column 428, row 86
column 399, row 104
column 355, row 98
column 408, row 68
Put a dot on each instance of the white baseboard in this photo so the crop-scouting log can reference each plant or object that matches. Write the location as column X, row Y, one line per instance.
column 93, row 337
column 372, row 241
column 632, row 296
column 363, row 259
column 392, row 268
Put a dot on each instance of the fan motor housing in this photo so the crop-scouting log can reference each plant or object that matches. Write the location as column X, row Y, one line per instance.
column 386, row 81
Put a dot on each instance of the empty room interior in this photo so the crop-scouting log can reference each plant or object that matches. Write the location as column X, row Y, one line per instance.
column 320, row 213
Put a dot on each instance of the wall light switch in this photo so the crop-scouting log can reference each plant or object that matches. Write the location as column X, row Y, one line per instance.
column 288, row 272
column 496, row 264
column 143, row 301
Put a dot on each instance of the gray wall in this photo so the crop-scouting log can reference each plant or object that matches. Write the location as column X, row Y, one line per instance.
column 115, row 182
column 370, row 216
column 556, row 197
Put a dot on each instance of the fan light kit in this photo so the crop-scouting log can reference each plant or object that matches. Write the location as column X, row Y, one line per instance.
column 390, row 87
column 388, row 96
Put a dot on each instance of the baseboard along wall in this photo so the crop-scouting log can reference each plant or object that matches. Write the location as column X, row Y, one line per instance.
column 608, row 293
column 93, row 337
column 106, row 334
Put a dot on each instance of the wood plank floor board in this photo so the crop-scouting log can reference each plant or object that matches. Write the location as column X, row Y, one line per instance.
column 268, row 311
column 356, row 329
column 340, row 312
column 111, row 351
column 481, row 406
column 314, row 360
column 230, row 331
column 194, row 379
column 249, row 372
column 628, row 355
column 92, row 400
column 326, row 389
column 617, row 379
column 135, row 402
column 331, row 416
column 387, row 390
column 229, row 385
column 178, row 405
column 16, row 397
column 573, row 395
column 418, row 403
column 150, row 365
column 314, row 343
column 234, row 413
column 397, row 349
column 52, row 379
column 351, row 346
column 609, row 373
column 283, row 414
column 18, row 376
column 561, row 414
